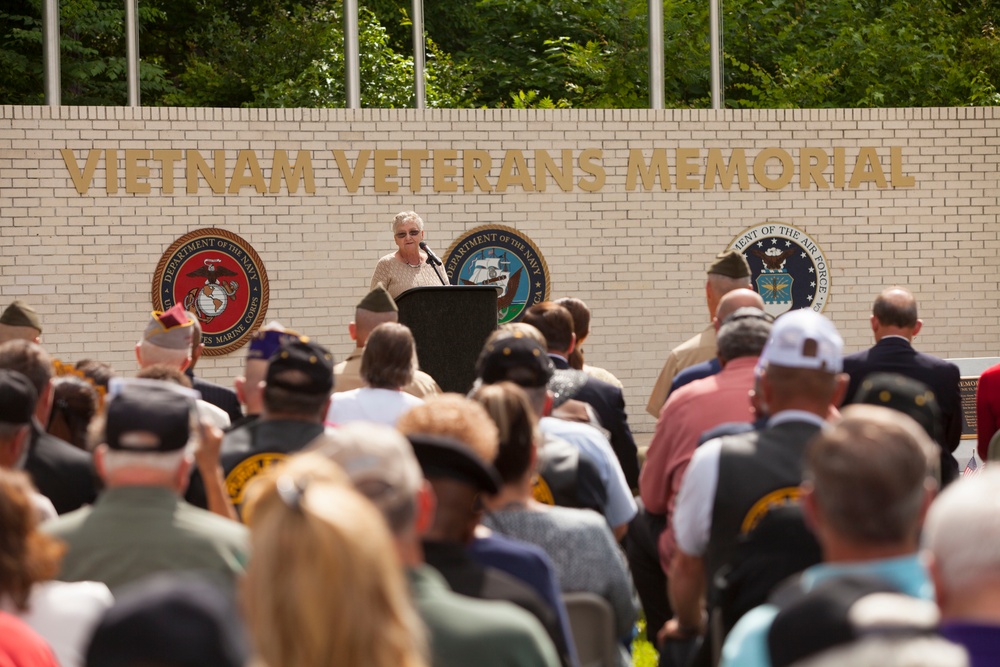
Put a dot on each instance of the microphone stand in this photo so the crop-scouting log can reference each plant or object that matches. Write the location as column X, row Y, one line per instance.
column 435, row 262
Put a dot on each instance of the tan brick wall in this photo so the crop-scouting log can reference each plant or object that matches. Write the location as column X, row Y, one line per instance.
column 85, row 261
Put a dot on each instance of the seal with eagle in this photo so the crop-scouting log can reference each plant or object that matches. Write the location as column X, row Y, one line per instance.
column 773, row 258
column 208, row 301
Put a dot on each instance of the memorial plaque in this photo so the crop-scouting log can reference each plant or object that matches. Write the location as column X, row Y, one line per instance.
column 967, row 389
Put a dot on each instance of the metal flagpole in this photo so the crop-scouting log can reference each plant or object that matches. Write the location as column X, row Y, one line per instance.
column 419, row 87
column 50, row 52
column 656, row 71
column 716, row 60
column 352, row 63
column 132, row 50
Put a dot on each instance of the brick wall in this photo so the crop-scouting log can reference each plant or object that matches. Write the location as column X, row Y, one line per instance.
column 637, row 257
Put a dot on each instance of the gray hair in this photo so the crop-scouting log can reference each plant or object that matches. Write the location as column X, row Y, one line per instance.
column 963, row 530
column 116, row 459
column 871, row 473
column 743, row 338
column 407, row 216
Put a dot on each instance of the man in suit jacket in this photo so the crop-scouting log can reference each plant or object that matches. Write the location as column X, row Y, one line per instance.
column 60, row 471
column 894, row 324
column 219, row 396
column 556, row 325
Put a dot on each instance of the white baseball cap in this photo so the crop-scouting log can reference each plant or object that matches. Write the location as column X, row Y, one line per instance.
column 804, row 339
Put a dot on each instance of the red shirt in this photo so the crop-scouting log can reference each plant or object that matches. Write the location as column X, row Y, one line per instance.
column 987, row 409
column 20, row 646
column 689, row 412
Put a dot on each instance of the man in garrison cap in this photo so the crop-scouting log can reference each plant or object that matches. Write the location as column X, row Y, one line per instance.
column 139, row 524
column 376, row 308
column 727, row 272
column 296, row 396
column 167, row 341
column 19, row 321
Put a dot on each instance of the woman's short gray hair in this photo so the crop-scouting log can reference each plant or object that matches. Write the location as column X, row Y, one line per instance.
column 407, row 216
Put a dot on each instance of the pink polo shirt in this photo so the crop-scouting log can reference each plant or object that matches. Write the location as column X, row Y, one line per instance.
column 689, row 412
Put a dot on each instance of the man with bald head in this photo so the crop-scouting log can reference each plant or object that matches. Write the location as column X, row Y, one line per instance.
column 894, row 323
column 744, row 297
column 729, row 271
column 376, row 308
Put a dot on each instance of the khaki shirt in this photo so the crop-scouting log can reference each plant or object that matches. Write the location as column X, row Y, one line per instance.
column 692, row 351
column 347, row 376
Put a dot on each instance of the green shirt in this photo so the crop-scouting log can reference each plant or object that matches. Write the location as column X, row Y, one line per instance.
column 464, row 631
column 133, row 531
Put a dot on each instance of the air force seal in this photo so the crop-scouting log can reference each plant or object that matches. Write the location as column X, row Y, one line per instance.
column 504, row 258
column 217, row 276
column 788, row 269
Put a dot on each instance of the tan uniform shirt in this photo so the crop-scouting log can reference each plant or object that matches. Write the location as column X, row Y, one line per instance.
column 692, row 351
column 347, row 376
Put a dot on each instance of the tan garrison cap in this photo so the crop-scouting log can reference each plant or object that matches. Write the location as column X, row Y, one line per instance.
column 378, row 301
column 730, row 264
column 20, row 314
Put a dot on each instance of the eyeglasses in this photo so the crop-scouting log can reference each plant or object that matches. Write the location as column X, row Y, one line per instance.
column 412, row 232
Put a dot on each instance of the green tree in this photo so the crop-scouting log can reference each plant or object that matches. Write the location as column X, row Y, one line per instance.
column 92, row 62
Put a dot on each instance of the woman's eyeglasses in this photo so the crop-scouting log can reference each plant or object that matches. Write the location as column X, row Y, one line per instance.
column 412, row 232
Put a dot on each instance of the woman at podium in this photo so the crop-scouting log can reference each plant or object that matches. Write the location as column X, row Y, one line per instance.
column 407, row 267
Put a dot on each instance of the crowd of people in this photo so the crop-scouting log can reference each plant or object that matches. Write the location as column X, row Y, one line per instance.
column 790, row 509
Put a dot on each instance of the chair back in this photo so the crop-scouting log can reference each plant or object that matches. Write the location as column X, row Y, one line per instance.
column 593, row 625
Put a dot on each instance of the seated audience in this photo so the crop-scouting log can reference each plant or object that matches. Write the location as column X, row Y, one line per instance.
column 62, row 613
column 170, row 620
column 579, row 542
column 324, row 588
column 60, row 471
column 75, row 402
column 454, row 440
column 463, row 630
column 140, row 523
column 962, row 537
column 376, row 308
column 868, row 482
column 387, row 366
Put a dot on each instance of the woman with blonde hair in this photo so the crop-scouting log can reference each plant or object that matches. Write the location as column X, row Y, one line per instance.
column 324, row 587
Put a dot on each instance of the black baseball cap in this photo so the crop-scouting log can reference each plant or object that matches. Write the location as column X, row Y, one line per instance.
column 309, row 358
column 17, row 397
column 440, row 456
column 515, row 358
column 149, row 416
column 173, row 620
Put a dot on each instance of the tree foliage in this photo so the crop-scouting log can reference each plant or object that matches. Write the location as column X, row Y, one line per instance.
column 517, row 53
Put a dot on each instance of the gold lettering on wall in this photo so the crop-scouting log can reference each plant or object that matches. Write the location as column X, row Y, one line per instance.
column 450, row 170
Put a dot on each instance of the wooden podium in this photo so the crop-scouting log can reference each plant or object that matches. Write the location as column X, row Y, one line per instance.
column 450, row 324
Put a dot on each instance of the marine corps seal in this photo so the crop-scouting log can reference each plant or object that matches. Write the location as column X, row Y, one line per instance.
column 216, row 275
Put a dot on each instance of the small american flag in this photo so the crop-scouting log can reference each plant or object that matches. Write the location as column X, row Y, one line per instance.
column 971, row 468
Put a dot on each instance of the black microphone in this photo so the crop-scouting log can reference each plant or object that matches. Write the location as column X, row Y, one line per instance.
column 431, row 257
